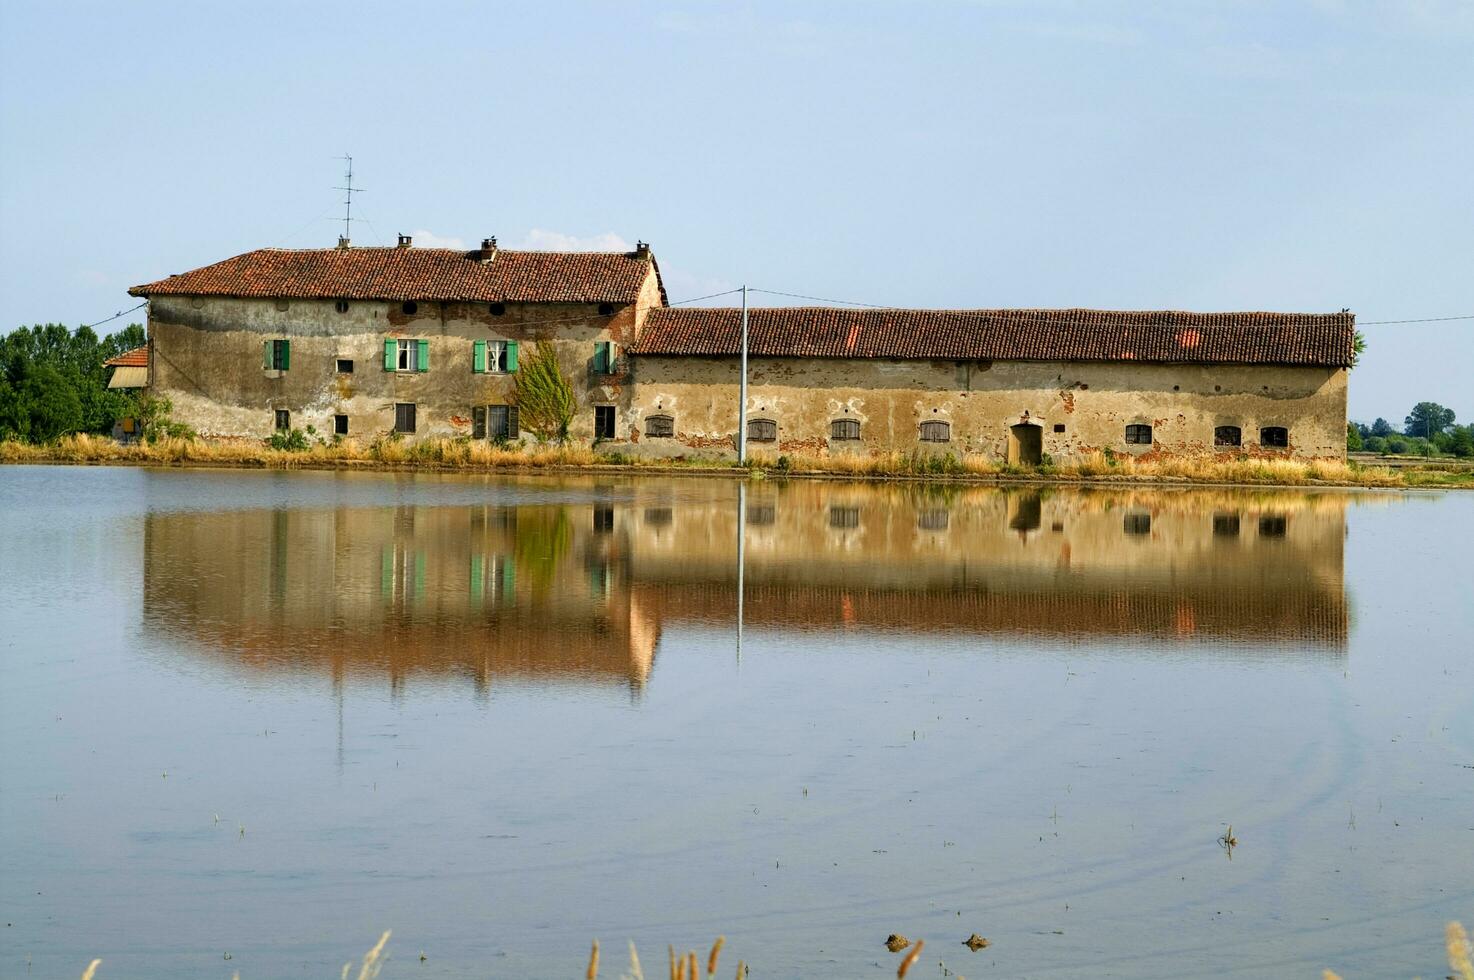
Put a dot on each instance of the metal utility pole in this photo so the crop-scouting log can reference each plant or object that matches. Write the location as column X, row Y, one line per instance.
column 742, row 403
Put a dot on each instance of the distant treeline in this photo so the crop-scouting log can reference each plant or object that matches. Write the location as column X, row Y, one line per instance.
column 1428, row 430
column 53, row 381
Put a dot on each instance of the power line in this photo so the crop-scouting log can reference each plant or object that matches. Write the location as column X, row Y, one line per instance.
column 115, row 316
column 1003, row 313
column 698, row 299
column 1430, row 319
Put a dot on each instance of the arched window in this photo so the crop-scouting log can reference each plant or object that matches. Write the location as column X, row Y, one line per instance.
column 844, row 430
column 762, row 430
column 1139, row 435
column 1276, row 436
column 1228, row 435
column 660, row 426
column 935, row 431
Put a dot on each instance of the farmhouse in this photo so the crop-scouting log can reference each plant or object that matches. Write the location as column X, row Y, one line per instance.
column 367, row 342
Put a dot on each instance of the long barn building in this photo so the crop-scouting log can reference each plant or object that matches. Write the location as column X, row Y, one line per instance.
column 369, row 342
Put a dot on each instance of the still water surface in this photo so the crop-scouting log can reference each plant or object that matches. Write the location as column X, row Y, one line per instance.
column 270, row 715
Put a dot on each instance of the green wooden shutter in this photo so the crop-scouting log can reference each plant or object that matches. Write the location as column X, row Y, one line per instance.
column 478, row 357
column 424, row 355
column 419, row 574
column 478, row 569
column 513, row 432
column 266, row 357
column 511, row 356
column 601, row 357
column 286, row 355
column 391, row 348
column 386, row 573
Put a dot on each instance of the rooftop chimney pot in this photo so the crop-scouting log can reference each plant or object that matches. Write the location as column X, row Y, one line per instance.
column 488, row 249
column 642, row 249
column 405, row 241
column 342, row 241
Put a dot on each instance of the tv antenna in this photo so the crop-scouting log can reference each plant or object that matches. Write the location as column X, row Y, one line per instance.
column 348, row 200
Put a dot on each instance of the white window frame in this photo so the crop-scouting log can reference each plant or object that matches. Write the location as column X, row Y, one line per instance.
column 408, row 356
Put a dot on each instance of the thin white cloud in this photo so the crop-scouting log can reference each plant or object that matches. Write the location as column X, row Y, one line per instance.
column 428, row 239
column 544, row 240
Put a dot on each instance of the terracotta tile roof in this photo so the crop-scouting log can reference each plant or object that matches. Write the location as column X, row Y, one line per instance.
column 1032, row 335
column 137, row 357
column 415, row 273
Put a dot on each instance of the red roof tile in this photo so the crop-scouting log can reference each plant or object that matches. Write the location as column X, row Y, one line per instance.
column 1030, row 335
column 415, row 273
column 137, row 357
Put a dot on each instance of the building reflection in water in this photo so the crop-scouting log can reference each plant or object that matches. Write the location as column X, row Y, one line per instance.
column 579, row 593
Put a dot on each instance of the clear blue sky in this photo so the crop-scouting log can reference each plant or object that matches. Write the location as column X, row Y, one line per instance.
column 1209, row 156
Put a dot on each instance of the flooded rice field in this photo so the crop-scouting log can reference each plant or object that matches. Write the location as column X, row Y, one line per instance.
column 250, row 720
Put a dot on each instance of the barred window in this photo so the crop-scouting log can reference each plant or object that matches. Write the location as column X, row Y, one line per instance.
column 1137, row 524
column 934, row 431
column 762, row 430
column 1228, row 435
column 1274, row 435
column 845, row 430
column 660, row 426
column 1139, row 435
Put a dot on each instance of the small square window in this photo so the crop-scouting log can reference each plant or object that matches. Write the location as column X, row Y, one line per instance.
column 1138, row 435
column 660, row 427
column 1227, row 435
column 283, row 420
column 844, row 517
column 1059, row 427
column 345, row 365
column 844, row 430
column 340, row 425
column 1275, row 436
column 1137, row 524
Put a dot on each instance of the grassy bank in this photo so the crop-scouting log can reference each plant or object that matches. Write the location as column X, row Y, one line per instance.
column 478, row 456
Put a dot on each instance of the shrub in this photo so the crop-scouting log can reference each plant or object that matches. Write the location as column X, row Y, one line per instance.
column 545, row 395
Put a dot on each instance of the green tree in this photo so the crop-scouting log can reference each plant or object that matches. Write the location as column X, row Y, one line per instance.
column 1382, row 428
column 1461, row 441
column 1353, row 437
column 1428, row 419
column 545, row 399
column 55, row 381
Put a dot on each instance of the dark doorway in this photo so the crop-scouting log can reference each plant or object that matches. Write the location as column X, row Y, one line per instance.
column 1026, row 448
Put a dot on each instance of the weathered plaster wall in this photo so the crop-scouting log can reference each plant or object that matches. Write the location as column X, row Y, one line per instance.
column 208, row 361
column 1094, row 402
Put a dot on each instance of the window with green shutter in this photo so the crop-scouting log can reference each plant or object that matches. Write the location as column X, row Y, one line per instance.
column 478, row 357
column 601, row 357
column 424, row 361
column 511, row 357
column 391, row 353
column 277, row 355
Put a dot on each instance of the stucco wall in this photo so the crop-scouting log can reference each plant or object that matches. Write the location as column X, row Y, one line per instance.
column 208, row 360
column 1094, row 402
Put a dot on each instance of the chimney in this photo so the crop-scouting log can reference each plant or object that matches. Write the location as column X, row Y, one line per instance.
column 642, row 250
column 488, row 249
column 343, row 241
column 405, row 241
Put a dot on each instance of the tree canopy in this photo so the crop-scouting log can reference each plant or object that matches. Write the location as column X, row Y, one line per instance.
column 1427, row 419
column 53, row 381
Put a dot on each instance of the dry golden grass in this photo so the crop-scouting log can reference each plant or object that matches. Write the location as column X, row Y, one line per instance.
column 467, row 454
